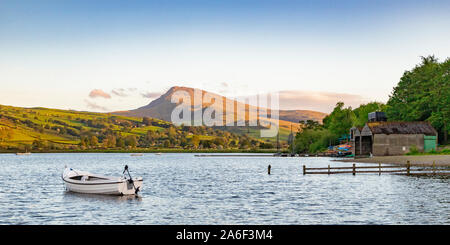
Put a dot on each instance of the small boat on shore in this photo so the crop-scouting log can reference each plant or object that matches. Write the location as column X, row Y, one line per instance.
column 23, row 153
column 85, row 182
column 159, row 153
column 136, row 154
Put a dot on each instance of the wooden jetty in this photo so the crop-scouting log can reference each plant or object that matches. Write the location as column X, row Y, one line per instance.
column 233, row 155
column 406, row 169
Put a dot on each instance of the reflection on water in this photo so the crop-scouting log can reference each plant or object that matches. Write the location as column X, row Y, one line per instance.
column 184, row 189
column 73, row 196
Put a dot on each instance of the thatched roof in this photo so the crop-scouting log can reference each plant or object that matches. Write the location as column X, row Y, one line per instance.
column 401, row 128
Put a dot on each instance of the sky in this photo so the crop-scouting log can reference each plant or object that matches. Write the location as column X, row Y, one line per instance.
column 119, row 55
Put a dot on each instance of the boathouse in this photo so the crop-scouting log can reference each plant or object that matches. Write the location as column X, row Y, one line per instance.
column 381, row 138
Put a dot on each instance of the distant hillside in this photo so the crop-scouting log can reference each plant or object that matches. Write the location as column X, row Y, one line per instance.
column 36, row 129
column 162, row 108
column 301, row 115
column 23, row 126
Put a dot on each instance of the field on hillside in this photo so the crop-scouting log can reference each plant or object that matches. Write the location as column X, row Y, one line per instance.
column 52, row 129
column 23, row 126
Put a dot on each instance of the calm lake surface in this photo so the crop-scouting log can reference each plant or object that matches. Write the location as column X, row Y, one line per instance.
column 184, row 189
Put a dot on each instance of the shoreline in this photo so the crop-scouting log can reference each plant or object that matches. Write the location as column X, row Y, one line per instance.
column 147, row 151
column 415, row 160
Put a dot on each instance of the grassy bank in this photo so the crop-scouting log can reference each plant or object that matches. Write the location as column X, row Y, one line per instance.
column 162, row 150
column 445, row 151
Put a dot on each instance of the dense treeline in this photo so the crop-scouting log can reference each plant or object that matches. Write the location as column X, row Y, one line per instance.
column 422, row 94
column 314, row 137
column 170, row 137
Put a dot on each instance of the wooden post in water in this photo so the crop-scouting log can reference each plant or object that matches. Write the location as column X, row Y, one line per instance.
column 304, row 169
column 354, row 169
column 328, row 169
column 408, row 167
column 379, row 168
column 268, row 169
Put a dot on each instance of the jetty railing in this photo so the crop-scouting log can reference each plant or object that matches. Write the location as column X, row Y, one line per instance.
column 406, row 169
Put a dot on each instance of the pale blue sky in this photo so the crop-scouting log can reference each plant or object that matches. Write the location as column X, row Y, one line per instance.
column 54, row 53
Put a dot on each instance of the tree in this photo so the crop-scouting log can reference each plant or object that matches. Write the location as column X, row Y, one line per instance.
column 361, row 113
column 38, row 144
column 183, row 142
column 147, row 121
column 244, row 143
column 131, row 141
column 93, row 141
column 195, row 141
column 314, row 137
column 311, row 124
column 423, row 94
column 110, row 141
column 171, row 133
column 266, row 145
column 340, row 120
column 166, row 144
column 151, row 137
column 219, row 141
column 312, row 140
column 120, row 142
column 84, row 141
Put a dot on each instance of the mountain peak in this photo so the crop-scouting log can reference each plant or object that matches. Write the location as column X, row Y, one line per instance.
column 162, row 108
column 178, row 88
column 174, row 89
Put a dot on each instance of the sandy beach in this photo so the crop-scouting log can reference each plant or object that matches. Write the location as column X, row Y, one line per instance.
column 421, row 160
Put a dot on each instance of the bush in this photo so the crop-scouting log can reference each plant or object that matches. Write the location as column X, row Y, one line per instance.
column 445, row 151
column 413, row 150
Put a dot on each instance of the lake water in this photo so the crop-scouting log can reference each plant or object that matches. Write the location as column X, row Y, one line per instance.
column 184, row 189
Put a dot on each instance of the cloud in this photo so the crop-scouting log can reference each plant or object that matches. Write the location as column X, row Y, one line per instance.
column 318, row 101
column 94, row 106
column 150, row 95
column 121, row 92
column 224, row 88
column 315, row 101
column 99, row 93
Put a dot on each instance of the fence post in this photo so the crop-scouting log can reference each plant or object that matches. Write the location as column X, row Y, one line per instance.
column 408, row 166
column 354, row 169
column 379, row 168
column 304, row 169
column 328, row 169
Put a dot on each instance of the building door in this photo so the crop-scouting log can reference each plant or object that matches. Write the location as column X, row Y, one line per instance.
column 366, row 145
column 429, row 143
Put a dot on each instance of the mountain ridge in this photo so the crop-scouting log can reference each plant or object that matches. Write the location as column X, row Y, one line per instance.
column 162, row 107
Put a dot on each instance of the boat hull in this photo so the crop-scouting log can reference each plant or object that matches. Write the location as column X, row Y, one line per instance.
column 85, row 182
column 119, row 188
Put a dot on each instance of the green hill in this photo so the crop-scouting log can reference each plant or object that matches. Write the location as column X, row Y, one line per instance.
column 43, row 129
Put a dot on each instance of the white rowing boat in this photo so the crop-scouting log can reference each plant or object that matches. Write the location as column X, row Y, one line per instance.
column 85, row 182
column 136, row 154
column 23, row 153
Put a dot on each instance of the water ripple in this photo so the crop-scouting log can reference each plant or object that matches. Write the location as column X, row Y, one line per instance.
column 183, row 189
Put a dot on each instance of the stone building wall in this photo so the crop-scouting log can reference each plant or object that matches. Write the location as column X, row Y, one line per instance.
column 396, row 144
